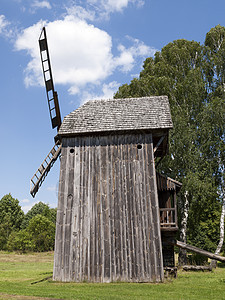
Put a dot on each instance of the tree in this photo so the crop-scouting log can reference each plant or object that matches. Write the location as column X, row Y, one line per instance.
column 39, row 236
column 192, row 75
column 11, row 217
column 215, row 53
column 42, row 231
column 33, row 232
column 20, row 241
column 40, row 209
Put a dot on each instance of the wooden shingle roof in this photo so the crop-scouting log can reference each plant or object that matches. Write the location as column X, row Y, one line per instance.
column 118, row 115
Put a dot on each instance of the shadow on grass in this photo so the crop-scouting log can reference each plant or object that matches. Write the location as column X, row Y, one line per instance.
column 221, row 265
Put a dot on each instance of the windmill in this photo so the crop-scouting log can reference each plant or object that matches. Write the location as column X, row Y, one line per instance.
column 53, row 104
column 116, row 217
column 109, row 222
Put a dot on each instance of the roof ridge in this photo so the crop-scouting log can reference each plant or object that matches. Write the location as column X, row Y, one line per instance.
column 123, row 99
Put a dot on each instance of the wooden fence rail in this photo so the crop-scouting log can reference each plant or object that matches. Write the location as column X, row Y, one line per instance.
column 168, row 217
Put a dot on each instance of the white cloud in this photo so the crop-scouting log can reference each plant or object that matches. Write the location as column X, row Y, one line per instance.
column 139, row 48
column 26, row 208
column 126, row 58
column 28, row 205
column 27, row 41
column 5, row 28
column 118, row 5
column 81, row 13
column 41, row 4
column 114, row 5
column 100, row 9
column 111, row 5
column 81, row 55
column 25, row 201
column 129, row 55
column 3, row 23
column 108, row 91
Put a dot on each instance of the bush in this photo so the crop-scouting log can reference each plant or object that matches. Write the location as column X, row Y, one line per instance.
column 11, row 217
column 20, row 241
column 42, row 232
column 39, row 208
column 197, row 259
column 39, row 236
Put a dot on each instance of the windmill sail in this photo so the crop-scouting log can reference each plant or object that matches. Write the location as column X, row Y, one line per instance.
column 42, row 172
column 52, row 96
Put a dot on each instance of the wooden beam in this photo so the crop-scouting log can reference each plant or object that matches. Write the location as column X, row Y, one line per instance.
column 198, row 250
column 197, row 268
column 158, row 144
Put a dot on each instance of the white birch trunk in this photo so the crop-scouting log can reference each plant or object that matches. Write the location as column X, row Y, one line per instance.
column 183, row 230
column 218, row 249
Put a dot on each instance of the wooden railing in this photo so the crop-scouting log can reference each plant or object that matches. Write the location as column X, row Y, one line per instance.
column 168, row 218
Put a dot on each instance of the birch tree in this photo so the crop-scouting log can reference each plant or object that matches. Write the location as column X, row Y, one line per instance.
column 221, row 241
column 215, row 54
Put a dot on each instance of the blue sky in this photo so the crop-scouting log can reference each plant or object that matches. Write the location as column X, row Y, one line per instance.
column 95, row 46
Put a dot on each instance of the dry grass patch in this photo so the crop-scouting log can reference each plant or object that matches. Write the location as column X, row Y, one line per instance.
column 19, row 297
column 39, row 257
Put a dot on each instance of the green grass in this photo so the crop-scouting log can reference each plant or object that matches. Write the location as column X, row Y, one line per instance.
column 19, row 272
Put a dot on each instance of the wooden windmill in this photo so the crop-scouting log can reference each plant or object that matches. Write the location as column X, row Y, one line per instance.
column 108, row 224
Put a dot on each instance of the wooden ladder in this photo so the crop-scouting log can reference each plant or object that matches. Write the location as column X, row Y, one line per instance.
column 42, row 172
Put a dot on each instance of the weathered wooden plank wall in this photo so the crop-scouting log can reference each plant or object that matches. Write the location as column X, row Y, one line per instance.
column 108, row 217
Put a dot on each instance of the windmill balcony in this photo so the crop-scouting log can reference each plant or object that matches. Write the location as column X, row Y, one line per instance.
column 168, row 219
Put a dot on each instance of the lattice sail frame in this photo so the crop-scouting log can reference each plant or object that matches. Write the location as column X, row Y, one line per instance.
column 52, row 96
column 53, row 104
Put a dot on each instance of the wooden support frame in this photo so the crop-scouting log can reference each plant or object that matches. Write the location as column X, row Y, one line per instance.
column 198, row 250
column 159, row 143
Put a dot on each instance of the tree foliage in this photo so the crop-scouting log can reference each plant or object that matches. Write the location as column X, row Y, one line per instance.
column 34, row 231
column 39, row 208
column 20, row 241
column 39, row 236
column 11, row 216
column 42, row 231
column 193, row 77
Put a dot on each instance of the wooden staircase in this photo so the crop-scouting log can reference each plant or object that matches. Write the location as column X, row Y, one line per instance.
column 42, row 172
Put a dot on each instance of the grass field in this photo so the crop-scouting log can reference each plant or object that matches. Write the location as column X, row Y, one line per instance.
column 25, row 277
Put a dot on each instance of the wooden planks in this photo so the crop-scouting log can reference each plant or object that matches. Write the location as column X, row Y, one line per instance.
column 108, row 225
